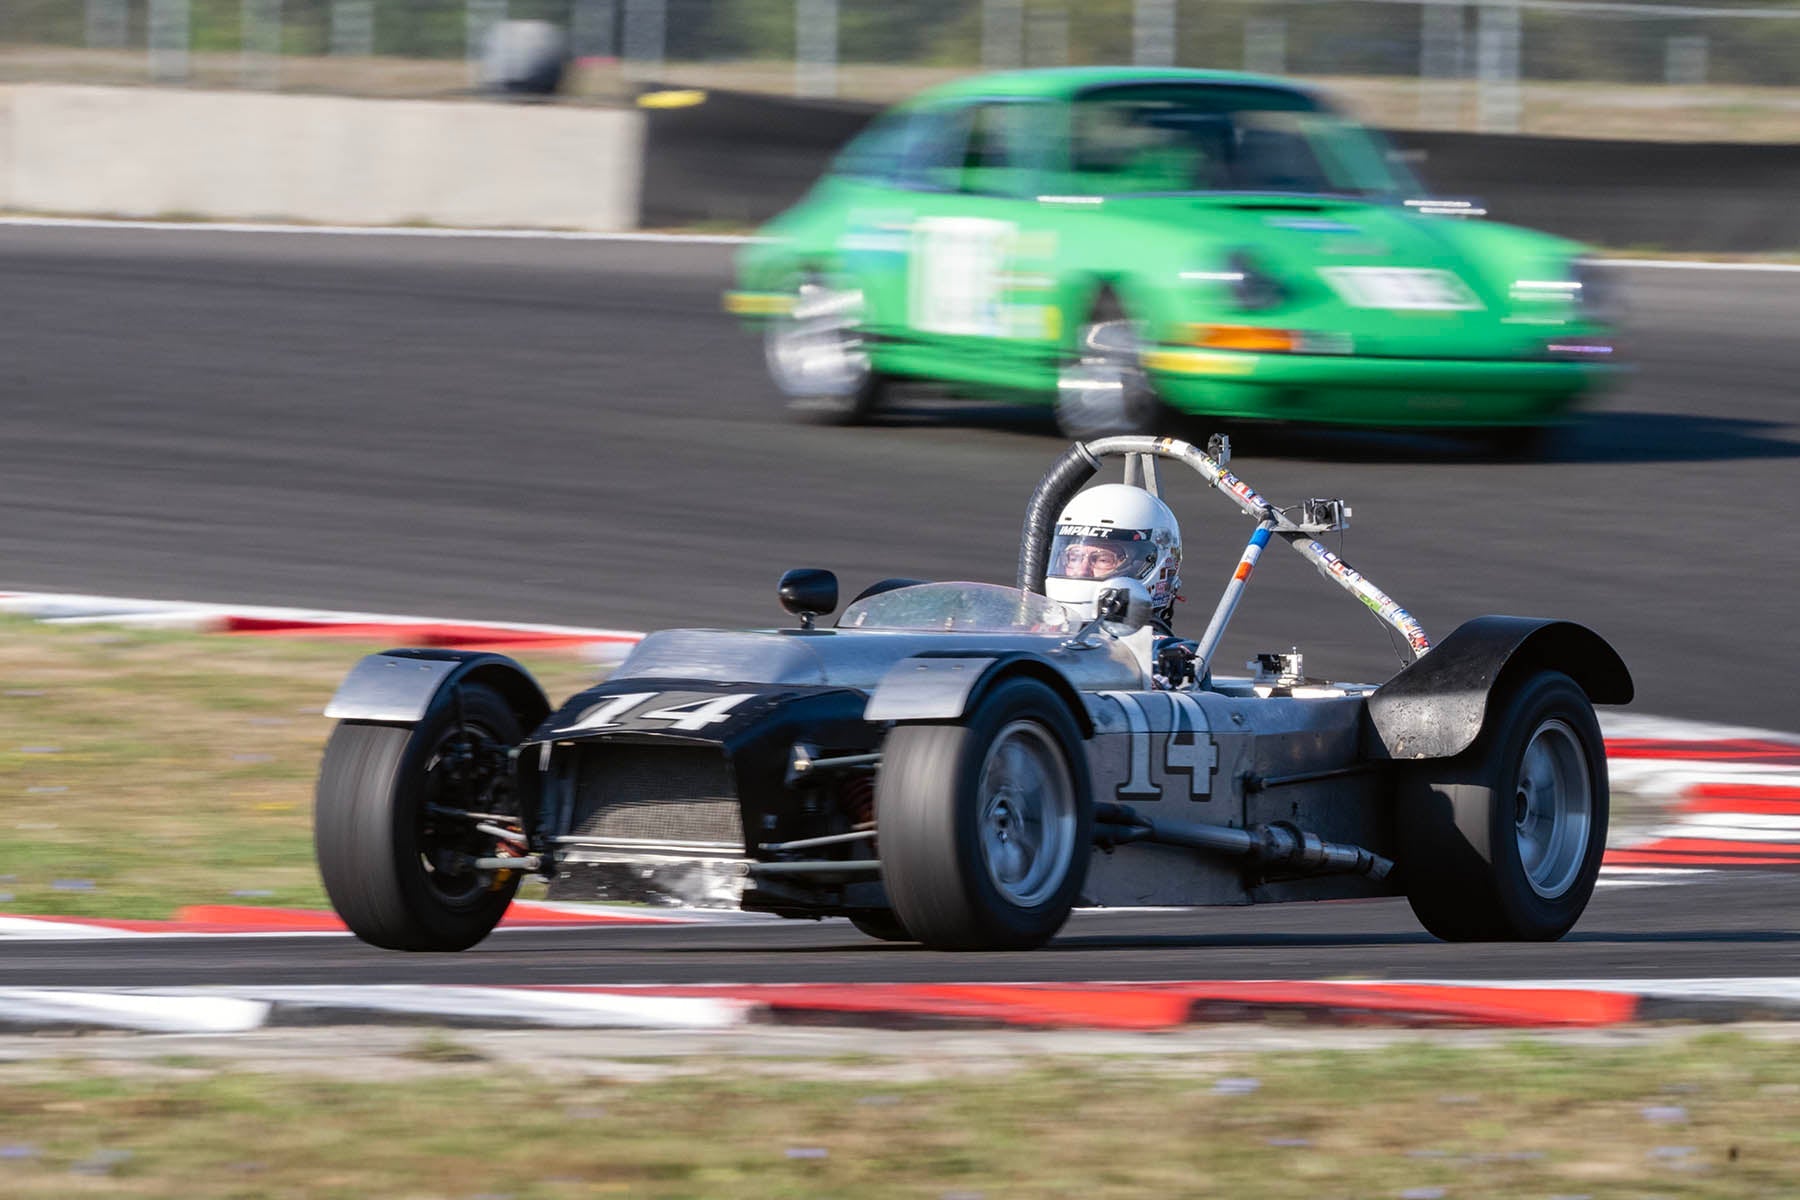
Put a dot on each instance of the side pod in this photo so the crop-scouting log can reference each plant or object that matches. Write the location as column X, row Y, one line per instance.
column 398, row 687
column 1435, row 707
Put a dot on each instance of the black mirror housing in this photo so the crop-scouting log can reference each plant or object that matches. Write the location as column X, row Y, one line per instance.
column 808, row 592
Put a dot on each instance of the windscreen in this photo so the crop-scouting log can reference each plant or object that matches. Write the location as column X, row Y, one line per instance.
column 961, row 608
column 1164, row 138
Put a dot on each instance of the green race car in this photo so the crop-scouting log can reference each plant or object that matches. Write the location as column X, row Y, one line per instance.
column 1119, row 241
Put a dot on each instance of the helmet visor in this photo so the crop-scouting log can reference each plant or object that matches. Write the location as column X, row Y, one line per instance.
column 1101, row 552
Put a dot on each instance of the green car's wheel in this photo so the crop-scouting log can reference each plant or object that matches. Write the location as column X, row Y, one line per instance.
column 816, row 356
column 1106, row 391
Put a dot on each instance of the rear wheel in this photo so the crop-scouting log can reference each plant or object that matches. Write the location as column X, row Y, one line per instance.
column 986, row 826
column 1106, row 391
column 395, row 823
column 816, row 356
column 1503, row 842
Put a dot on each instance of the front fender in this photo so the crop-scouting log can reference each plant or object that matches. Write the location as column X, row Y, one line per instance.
column 1436, row 707
column 398, row 687
column 943, row 687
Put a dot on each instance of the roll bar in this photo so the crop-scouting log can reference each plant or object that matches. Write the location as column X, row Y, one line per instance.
column 1079, row 463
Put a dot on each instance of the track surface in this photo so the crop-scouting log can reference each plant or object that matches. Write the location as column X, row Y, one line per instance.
column 1718, row 927
column 571, row 432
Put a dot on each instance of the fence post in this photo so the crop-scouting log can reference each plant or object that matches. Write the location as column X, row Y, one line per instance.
column 1441, row 61
column 353, row 28
column 479, row 19
column 646, row 33
column 1497, row 101
column 1002, row 33
column 591, row 29
column 261, row 43
column 108, row 24
column 1153, row 33
column 815, row 47
column 1265, row 45
column 1047, row 37
column 169, row 38
column 1684, row 61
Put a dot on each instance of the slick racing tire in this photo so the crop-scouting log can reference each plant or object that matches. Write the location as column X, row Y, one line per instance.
column 392, row 848
column 986, row 826
column 1503, row 842
column 816, row 357
column 882, row 926
column 1105, row 391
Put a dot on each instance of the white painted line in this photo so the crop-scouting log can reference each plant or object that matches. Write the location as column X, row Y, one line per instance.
column 32, row 929
column 568, row 1010
column 537, row 235
column 577, row 235
column 1615, row 723
column 146, row 1012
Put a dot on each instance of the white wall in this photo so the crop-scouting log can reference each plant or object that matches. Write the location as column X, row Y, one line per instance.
column 152, row 152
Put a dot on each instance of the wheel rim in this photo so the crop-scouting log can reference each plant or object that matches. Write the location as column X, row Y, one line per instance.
column 1106, row 390
column 455, row 779
column 817, row 349
column 1553, row 806
column 1027, row 814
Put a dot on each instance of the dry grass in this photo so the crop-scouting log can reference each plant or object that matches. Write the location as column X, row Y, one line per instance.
column 143, row 771
column 1698, row 1116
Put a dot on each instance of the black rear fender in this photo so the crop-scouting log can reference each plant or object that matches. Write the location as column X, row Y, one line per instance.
column 1437, row 707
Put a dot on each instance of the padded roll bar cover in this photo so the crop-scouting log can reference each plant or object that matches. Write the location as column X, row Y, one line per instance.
column 1052, row 495
column 399, row 686
column 1435, row 707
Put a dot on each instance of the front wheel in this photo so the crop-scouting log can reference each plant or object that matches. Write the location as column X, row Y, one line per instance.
column 1503, row 842
column 986, row 827
column 396, row 823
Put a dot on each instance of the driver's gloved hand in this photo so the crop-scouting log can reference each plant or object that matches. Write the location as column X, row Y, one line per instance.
column 1175, row 663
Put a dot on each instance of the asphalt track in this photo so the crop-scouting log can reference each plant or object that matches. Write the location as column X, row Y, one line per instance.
column 572, row 432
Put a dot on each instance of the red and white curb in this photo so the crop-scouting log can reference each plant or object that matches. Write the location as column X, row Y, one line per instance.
column 1538, row 1004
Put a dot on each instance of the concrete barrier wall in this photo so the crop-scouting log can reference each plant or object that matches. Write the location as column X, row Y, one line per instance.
column 146, row 152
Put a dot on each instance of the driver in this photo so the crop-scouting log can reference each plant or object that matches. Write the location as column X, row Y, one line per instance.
column 1116, row 530
column 1112, row 530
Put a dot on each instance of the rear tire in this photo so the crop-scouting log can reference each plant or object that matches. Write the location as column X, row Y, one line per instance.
column 986, row 827
column 389, row 864
column 816, row 357
column 1106, row 391
column 1503, row 842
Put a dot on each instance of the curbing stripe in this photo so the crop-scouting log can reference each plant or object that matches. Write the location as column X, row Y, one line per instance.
column 36, row 1008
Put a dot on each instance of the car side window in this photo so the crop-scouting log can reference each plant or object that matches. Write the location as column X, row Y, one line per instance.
column 1003, row 155
column 878, row 153
column 937, row 140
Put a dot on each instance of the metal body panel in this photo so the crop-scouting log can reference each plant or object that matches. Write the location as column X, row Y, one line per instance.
column 1435, row 707
column 921, row 688
column 856, row 658
column 387, row 687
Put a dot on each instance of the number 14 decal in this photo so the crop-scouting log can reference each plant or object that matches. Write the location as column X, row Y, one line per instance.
column 1186, row 747
column 689, row 717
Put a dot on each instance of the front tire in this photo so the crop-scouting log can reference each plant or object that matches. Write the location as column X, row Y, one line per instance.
column 392, row 851
column 882, row 925
column 986, row 827
column 1504, row 841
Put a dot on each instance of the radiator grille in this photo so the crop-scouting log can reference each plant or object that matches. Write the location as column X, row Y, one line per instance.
column 658, row 794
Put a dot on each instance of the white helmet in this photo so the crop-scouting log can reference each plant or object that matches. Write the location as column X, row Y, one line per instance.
column 1111, row 530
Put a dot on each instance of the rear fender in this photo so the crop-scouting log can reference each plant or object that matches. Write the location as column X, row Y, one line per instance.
column 1436, row 707
column 945, row 687
column 398, row 687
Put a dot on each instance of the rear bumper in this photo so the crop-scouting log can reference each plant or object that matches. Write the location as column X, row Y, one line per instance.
column 1370, row 391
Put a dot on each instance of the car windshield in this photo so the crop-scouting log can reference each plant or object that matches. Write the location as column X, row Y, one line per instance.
column 1162, row 138
column 961, row 608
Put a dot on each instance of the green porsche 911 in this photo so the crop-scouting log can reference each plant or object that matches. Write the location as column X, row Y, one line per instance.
column 1121, row 240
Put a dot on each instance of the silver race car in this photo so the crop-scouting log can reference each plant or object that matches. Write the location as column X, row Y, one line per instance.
column 961, row 764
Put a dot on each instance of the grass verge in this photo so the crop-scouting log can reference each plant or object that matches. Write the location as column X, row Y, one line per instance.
column 141, row 771
column 1710, row 1115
